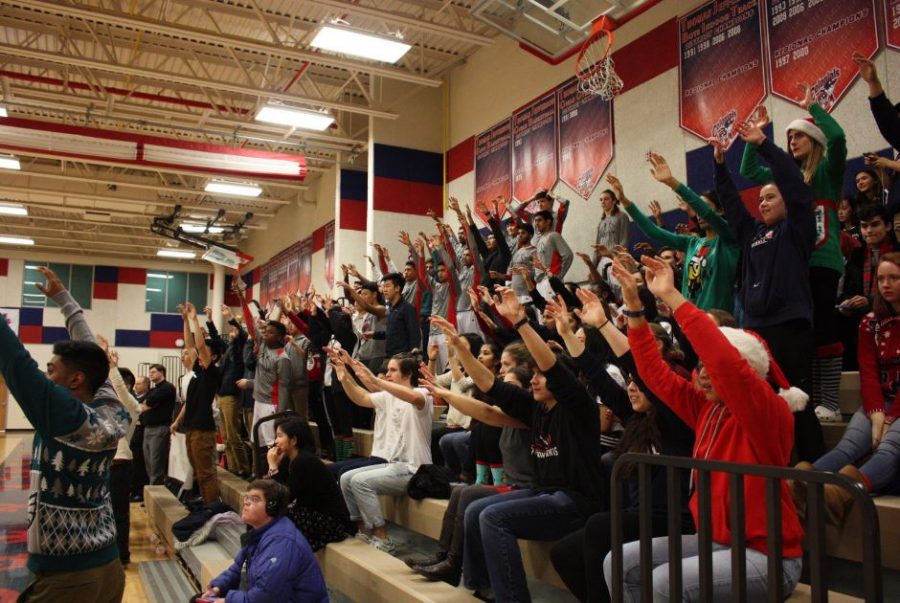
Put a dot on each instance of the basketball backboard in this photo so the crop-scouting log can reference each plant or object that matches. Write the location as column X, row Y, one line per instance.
column 554, row 28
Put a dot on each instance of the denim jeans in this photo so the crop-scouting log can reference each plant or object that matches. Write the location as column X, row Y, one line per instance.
column 856, row 443
column 757, row 578
column 361, row 488
column 492, row 527
column 456, row 452
column 341, row 467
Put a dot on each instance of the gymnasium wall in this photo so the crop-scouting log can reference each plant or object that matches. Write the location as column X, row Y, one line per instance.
column 501, row 78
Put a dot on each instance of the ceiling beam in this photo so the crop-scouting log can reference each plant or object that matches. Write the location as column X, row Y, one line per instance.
column 219, row 39
column 13, row 52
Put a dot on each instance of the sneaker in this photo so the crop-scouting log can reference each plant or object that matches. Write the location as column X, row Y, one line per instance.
column 385, row 545
column 360, row 535
column 827, row 415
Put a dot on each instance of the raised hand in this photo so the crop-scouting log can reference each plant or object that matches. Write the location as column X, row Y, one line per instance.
column 191, row 310
column 659, row 276
column 644, row 246
column 453, row 203
column 760, row 117
column 208, row 311
column 866, row 67
column 656, row 209
column 806, row 95
column 628, row 284
column 602, row 250
column 537, row 263
column 449, row 331
column 404, row 238
column 616, row 185
column 182, row 309
column 750, row 132
column 509, row 305
column 660, row 169
column 560, row 313
column 53, row 285
column 226, row 312
column 593, row 310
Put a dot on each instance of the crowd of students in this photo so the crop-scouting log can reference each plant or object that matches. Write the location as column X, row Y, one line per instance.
column 547, row 381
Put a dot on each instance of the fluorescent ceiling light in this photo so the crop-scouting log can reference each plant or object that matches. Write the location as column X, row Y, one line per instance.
column 15, row 240
column 174, row 253
column 154, row 275
column 3, row 112
column 202, row 229
column 8, row 162
column 239, row 189
column 295, row 118
column 359, row 44
column 154, row 290
column 13, row 209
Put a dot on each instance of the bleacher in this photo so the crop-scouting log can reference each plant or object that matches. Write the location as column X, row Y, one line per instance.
column 356, row 571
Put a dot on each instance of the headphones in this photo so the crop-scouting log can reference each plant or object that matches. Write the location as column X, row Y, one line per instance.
column 276, row 504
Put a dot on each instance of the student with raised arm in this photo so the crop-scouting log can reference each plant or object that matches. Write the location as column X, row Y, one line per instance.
column 711, row 261
column 887, row 118
column 495, row 250
column 818, row 148
column 78, row 421
column 565, row 450
column 417, row 286
column 543, row 200
column 196, row 415
column 776, row 303
column 407, row 444
column 738, row 417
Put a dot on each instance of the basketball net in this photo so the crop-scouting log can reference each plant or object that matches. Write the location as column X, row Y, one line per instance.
column 594, row 68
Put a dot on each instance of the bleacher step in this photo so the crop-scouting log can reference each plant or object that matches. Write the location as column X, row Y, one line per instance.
column 163, row 510
column 164, row 581
column 206, row 560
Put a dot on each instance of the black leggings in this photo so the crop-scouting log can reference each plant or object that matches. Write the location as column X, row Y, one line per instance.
column 486, row 444
column 578, row 558
column 320, row 414
column 340, row 408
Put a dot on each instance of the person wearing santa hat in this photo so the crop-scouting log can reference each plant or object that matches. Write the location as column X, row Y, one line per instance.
column 818, row 145
column 739, row 416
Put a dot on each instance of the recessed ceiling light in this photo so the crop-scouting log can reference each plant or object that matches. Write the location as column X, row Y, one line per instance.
column 240, row 189
column 8, row 162
column 202, row 228
column 11, row 240
column 155, row 275
column 295, row 118
column 360, row 44
column 13, row 209
column 174, row 253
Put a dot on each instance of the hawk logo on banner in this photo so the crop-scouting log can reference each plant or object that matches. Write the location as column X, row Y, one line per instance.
column 720, row 72
column 585, row 137
column 811, row 42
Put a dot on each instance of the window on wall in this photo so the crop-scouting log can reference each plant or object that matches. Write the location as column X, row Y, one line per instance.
column 78, row 279
column 165, row 290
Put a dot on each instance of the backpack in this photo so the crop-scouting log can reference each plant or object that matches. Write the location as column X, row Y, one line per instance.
column 430, row 481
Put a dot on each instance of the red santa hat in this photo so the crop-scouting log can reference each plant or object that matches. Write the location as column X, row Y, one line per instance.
column 755, row 351
column 808, row 127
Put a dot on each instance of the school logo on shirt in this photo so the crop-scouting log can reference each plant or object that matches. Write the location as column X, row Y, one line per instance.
column 542, row 446
column 762, row 240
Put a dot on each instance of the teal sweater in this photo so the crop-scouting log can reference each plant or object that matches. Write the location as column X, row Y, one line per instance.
column 710, row 265
column 827, row 182
column 70, row 519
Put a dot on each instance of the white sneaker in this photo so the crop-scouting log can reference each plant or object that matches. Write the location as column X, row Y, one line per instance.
column 385, row 545
column 360, row 535
column 826, row 415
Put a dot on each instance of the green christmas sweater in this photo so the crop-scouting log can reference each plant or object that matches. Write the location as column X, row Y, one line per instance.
column 70, row 519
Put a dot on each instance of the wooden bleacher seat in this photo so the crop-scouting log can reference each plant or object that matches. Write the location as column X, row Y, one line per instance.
column 163, row 510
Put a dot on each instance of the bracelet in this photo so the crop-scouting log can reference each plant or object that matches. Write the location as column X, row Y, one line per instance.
column 520, row 324
column 633, row 313
column 603, row 325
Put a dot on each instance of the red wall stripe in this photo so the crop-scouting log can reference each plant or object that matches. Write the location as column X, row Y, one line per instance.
column 133, row 276
column 106, row 290
column 164, row 339
column 633, row 62
column 353, row 215
column 405, row 197
column 318, row 239
column 461, row 159
column 31, row 334
column 4, row 267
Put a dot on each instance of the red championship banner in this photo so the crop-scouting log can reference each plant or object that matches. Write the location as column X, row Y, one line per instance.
column 585, row 137
column 812, row 41
column 534, row 147
column 721, row 79
column 329, row 254
column 493, row 165
column 892, row 22
column 286, row 272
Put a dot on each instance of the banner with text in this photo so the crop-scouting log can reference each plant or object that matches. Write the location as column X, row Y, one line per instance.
column 811, row 41
column 493, row 165
column 286, row 272
column 721, row 79
column 534, row 147
column 892, row 22
column 329, row 254
column 585, row 137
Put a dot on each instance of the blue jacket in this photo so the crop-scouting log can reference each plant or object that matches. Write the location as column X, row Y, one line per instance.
column 775, row 286
column 280, row 566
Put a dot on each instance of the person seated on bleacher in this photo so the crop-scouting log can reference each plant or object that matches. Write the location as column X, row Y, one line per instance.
column 564, row 423
column 517, row 471
column 406, row 409
column 738, row 417
column 873, row 428
column 316, row 505
column 650, row 427
column 275, row 563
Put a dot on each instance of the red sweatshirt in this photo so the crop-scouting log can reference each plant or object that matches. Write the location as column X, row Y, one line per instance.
column 879, row 364
column 751, row 425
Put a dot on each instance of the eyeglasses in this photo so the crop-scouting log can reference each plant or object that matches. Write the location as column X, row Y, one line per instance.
column 253, row 499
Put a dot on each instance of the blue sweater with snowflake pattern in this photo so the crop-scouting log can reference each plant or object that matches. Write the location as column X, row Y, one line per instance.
column 70, row 520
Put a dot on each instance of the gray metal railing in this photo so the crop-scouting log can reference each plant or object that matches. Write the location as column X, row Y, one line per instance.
column 815, row 526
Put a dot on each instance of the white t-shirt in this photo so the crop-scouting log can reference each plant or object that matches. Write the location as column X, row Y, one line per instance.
column 404, row 433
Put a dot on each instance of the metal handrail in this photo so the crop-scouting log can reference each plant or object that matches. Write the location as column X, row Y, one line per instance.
column 815, row 525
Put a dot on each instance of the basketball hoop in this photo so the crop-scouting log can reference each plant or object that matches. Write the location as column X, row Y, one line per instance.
column 594, row 68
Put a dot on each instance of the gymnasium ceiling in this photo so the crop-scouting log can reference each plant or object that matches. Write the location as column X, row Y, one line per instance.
column 195, row 71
